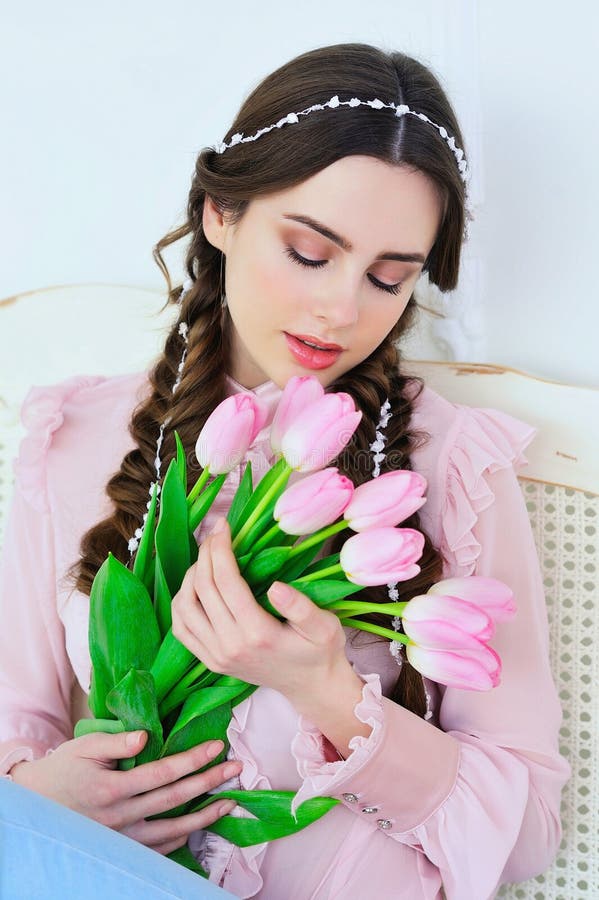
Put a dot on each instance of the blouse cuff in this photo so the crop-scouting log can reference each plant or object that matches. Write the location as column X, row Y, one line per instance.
column 396, row 777
column 19, row 754
column 310, row 750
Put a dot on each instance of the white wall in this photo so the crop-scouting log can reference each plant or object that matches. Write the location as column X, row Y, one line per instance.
column 104, row 110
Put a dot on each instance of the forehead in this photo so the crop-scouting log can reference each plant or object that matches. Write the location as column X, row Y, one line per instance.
column 375, row 205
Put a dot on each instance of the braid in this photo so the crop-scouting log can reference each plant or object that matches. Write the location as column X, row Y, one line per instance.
column 201, row 388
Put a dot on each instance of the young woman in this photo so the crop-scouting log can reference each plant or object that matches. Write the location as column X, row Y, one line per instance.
column 341, row 180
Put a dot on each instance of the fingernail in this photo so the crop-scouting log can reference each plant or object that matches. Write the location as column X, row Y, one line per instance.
column 230, row 770
column 226, row 807
column 133, row 738
column 214, row 748
column 219, row 525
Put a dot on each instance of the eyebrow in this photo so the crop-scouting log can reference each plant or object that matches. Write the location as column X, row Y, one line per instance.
column 347, row 245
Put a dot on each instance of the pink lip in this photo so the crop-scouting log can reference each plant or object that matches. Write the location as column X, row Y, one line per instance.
column 308, row 356
column 314, row 340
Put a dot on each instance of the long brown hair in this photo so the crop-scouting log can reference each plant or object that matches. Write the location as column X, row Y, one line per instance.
column 278, row 161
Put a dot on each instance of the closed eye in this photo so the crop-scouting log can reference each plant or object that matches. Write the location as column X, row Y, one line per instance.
column 319, row 263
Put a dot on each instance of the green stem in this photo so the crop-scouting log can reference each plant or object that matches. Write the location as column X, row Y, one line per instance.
column 198, row 486
column 377, row 629
column 273, row 532
column 261, row 506
column 318, row 536
column 316, row 576
column 362, row 607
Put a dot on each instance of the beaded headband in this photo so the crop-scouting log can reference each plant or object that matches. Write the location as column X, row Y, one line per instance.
column 377, row 446
column 400, row 110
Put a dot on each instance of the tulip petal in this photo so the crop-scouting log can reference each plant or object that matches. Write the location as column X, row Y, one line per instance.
column 491, row 594
column 469, row 669
column 386, row 500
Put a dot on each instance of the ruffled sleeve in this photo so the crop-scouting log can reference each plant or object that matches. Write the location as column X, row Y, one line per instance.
column 485, row 440
column 35, row 672
column 42, row 414
column 479, row 795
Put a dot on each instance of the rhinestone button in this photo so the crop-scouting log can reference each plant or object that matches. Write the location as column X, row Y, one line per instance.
column 350, row 798
column 370, row 809
column 384, row 823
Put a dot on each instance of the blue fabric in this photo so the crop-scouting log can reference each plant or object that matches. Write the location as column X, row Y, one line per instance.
column 49, row 852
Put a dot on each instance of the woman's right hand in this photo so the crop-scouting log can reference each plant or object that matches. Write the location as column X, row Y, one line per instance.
column 82, row 774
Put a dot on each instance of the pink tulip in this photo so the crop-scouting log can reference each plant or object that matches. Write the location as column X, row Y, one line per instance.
column 314, row 502
column 441, row 622
column 386, row 500
column 299, row 392
column 319, row 433
column 474, row 669
column 228, row 432
column 382, row 555
column 490, row 594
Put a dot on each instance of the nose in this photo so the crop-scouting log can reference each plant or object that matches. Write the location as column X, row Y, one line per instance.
column 339, row 309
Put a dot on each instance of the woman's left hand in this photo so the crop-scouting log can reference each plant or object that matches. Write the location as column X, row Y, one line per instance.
column 216, row 616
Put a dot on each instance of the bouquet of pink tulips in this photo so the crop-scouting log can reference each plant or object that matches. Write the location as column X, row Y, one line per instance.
column 143, row 677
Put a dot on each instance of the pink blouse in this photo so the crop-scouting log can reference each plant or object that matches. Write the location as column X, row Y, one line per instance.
column 466, row 800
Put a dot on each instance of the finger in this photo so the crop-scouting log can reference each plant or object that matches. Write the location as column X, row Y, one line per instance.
column 301, row 613
column 108, row 748
column 161, row 800
column 159, row 772
column 209, row 592
column 188, row 615
column 166, row 835
column 234, row 589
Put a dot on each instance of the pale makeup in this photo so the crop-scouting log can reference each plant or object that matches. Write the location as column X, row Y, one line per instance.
column 376, row 208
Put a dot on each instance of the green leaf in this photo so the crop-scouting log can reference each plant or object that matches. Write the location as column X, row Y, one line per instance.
column 170, row 664
column 191, row 730
column 181, row 463
column 172, row 533
column 203, row 503
column 143, row 558
column 326, row 591
column 297, row 564
column 273, row 815
column 242, row 495
column 123, row 631
column 266, row 564
column 185, row 857
column 261, row 489
column 134, row 702
column 263, row 523
column 162, row 598
column 324, row 563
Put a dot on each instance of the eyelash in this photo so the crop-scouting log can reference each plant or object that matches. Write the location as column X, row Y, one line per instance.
column 387, row 288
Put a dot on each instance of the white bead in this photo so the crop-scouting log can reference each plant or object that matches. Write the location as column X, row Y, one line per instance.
column 442, row 132
column 236, row 138
column 355, row 102
column 402, row 109
column 377, row 104
column 292, row 118
column 138, row 532
column 334, row 101
column 133, row 545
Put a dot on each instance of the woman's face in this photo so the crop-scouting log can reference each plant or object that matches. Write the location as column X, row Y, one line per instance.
column 374, row 209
